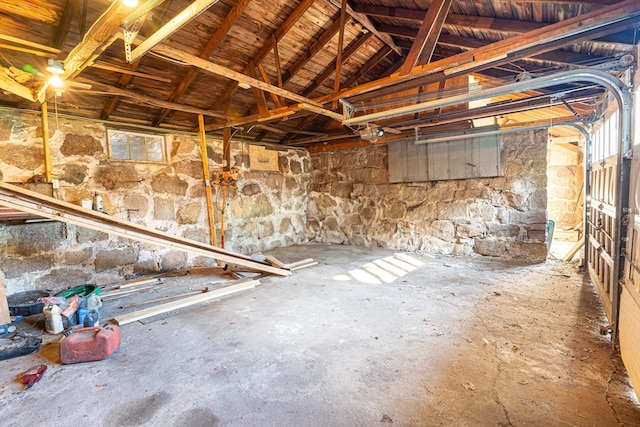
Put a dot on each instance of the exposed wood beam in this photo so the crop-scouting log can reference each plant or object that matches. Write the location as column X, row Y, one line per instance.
column 452, row 21
column 9, row 84
column 34, row 52
column 261, row 100
column 36, row 46
column 370, row 26
column 265, row 77
column 309, row 53
column 372, row 62
column 427, row 36
column 65, row 23
column 149, row 100
column 228, row 73
column 561, row 57
column 37, row 10
column 213, row 43
column 329, row 69
column 99, row 34
column 108, row 67
column 267, row 47
column 534, row 42
column 193, row 10
column 342, row 21
column 276, row 59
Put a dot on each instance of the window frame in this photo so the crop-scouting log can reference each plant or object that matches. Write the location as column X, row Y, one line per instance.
column 146, row 135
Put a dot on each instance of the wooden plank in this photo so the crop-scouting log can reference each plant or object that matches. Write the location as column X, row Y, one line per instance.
column 185, row 302
column 229, row 73
column 138, row 283
column 574, row 250
column 108, row 67
column 628, row 333
column 37, row 10
column 48, row 207
column 144, row 99
column 5, row 317
column 10, row 85
column 190, row 12
column 22, row 42
column 213, row 238
column 45, row 142
column 336, row 81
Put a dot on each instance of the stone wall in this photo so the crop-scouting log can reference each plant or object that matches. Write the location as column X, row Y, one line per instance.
column 264, row 210
column 566, row 176
column 352, row 202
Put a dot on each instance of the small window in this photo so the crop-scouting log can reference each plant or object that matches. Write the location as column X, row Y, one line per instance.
column 141, row 147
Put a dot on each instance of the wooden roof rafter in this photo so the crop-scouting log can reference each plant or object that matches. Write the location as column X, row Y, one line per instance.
column 550, row 37
column 213, row 43
column 288, row 23
column 427, row 36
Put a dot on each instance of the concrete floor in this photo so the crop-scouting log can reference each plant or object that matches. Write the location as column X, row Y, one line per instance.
column 365, row 338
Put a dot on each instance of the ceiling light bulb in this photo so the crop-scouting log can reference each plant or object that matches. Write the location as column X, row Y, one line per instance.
column 56, row 81
column 130, row 3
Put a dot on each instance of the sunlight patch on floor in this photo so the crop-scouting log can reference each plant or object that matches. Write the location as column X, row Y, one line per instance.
column 383, row 270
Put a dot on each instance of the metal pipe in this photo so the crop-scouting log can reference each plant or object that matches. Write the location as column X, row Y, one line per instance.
column 594, row 76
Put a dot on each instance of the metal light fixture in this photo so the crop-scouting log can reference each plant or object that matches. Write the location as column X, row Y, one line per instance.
column 55, row 67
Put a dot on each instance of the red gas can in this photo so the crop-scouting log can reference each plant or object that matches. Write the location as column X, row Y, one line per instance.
column 89, row 344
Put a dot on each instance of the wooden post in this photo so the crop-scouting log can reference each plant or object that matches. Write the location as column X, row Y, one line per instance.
column 4, row 305
column 45, row 141
column 207, row 182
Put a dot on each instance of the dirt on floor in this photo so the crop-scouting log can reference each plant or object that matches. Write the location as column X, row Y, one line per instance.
column 366, row 337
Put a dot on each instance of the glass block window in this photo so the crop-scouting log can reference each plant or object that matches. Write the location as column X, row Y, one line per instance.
column 136, row 146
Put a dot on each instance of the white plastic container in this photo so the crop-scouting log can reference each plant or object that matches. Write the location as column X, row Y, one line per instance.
column 53, row 319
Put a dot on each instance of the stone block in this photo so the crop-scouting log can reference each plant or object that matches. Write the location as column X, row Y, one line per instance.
column 188, row 213
column 173, row 260
column 169, row 184
column 136, row 205
column 84, row 235
column 443, row 230
column 79, row 257
column 114, row 177
column 251, row 189
column 394, row 209
column 198, row 235
column 190, row 168
column 81, row 145
column 108, row 259
column 285, row 226
column 453, row 210
column 342, row 189
column 197, row 191
column 163, row 209
column 266, row 230
column 490, row 247
column 63, row 278
column 16, row 267
column 23, row 156
column 252, row 207
column 536, row 236
column 283, row 164
column 532, row 251
column 474, row 229
column 74, row 174
column 503, row 230
column 147, row 266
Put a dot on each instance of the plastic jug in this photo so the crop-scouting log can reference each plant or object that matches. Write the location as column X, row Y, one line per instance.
column 53, row 319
